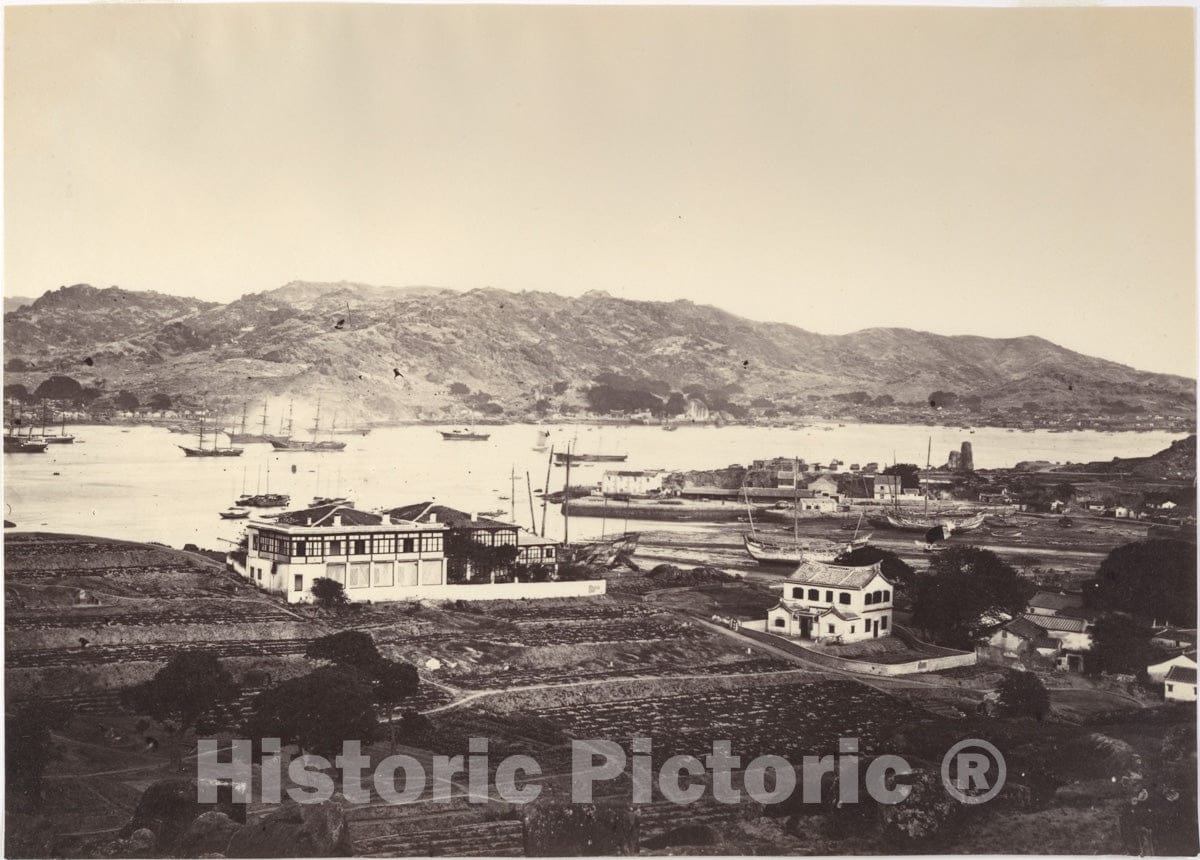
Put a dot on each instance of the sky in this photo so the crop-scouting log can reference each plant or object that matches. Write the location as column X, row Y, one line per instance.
column 998, row 172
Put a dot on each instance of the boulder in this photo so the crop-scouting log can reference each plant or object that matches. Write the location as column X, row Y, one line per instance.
column 928, row 815
column 207, row 834
column 558, row 829
column 167, row 807
column 142, row 843
column 296, row 830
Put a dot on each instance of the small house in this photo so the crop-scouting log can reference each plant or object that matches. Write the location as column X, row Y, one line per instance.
column 832, row 603
column 1180, row 685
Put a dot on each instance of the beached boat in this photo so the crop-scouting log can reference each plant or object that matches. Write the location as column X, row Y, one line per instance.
column 235, row 514
column 603, row 552
column 768, row 552
column 464, row 435
column 921, row 523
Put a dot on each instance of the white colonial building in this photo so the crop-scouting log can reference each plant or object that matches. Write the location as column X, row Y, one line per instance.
column 832, row 603
column 629, row 482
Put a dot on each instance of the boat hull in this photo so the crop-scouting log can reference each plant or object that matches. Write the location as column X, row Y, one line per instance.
column 307, row 447
column 211, row 452
column 767, row 553
column 561, row 459
column 909, row 523
column 465, row 437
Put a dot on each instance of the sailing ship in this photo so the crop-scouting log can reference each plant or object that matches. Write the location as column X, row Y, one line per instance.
column 15, row 443
column 464, row 435
column 60, row 438
column 561, row 458
column 214, row 451
column 314, row 446
column 242, row 437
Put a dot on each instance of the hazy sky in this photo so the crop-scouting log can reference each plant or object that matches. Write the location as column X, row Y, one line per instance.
column 967, row 171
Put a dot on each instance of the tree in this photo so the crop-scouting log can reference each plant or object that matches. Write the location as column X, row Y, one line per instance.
column 560, row 387
column 459, row 389
column 908, row 473
column 1154, row 580
column 964, row 586
column 16, row 391
column 676, row 404
column 328, row 593
column 126, row 401
column 896, row 569
column 943, row 399
column 16, row 365
column 353, row 648
column 317, row 711
column 1120, row 645
column 59, row 388
column 191, row 685
column 160, row 402
column 1022, row 694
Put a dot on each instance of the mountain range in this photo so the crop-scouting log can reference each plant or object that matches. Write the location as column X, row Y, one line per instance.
column 425, row 352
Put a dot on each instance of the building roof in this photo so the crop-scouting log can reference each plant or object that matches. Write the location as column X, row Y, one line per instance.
column 1057, row 623
column 1024, row 629
column 835, row 575
column 1176, row 634
column 324, row 515
column 1056, row 601
column 525, row 538
column 1180, row 675
column 428, row 512
column 893, row 480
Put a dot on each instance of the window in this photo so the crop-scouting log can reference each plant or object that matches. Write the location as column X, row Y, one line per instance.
column 1170, row 688
column 335, row 547
column 830, row 628
column 798, row 593
column 869, row 599
column 887, row 595
column 336, row 572
column 360, row 546
column 408, row 544
column 431, row 542
column 299, row 548
column 883, row 623
column 851, row 628
column 780, row 622
column 844, row 598
column 383, row 544
column 360, row 574
column 829, row 597
column 298, row 582
column 549, row 552
column 813, row 594
column 385, row 573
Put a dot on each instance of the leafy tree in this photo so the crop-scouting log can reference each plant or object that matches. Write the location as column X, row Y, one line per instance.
column 884, row 400
column 59, row 388
column 126, row 401
column 459, row 389
column 16, row 391
column 943, row 399
column 353, row 648
column 1154, row 580
column 560, row 387
column 1120, row 644
column 963, row 586
column 191, row 685
column 542, row 406
column 28, row 748
column 1022, row 694
column 908, row 473
column 16, row 365
column 160, row 402
column 894, row 567
column 392, row 682
column 317, row 711
column 676, row 404
column 328, row 593
column 607, row 398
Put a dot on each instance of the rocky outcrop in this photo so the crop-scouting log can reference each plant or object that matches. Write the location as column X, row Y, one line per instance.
column 167, row 808
column 209, row 833
column 296, row 830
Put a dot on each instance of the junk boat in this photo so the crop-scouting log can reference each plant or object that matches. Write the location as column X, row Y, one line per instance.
column 826, row 551
column 922, row 523
column 265, row 500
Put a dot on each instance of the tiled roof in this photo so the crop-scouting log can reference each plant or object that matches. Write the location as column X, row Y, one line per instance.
column 1057, row 623
column 1180, row 675
column 1025, row 629
column 833, row 575
column 324, row 516
column 1176, row 634
column 452, row 517
column 1056, row 602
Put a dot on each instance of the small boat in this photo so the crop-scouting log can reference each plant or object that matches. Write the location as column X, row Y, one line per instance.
column 464, row 435
column 670, row 428
column 826, row 551
column 235, row 514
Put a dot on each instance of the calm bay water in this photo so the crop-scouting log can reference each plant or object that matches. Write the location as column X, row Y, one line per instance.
column 135, row 483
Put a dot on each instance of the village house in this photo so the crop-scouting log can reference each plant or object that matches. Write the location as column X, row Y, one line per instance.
column 885, row 487
column 833, row 604
column 823, row 487
column 1018, row 640
column 1055, row 603
column 1174, row 637
column 1180, row 685
column 626, row 482
column 1157, row 672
